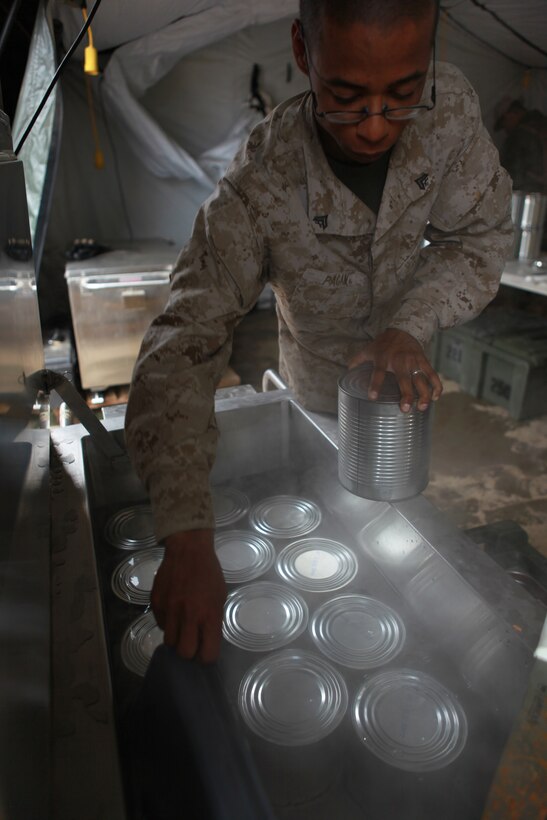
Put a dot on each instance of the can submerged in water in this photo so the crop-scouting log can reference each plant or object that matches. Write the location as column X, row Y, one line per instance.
column 383, row 453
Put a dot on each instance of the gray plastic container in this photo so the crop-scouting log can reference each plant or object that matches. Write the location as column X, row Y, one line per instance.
column 383, row 453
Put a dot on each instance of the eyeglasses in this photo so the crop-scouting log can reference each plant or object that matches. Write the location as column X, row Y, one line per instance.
column 407, row 112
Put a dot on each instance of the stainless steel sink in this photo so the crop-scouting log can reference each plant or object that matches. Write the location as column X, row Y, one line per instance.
column 468, row 626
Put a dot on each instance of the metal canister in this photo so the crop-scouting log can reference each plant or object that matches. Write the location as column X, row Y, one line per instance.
column 534, row 209
column 517, row 204
column 383, row 453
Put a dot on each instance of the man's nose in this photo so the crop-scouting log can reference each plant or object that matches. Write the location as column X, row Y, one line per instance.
column 374, row 127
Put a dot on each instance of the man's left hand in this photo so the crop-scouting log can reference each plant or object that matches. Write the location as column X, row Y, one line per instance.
column 403, row 355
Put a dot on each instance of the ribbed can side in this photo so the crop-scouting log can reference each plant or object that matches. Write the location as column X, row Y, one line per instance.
column 383, row 453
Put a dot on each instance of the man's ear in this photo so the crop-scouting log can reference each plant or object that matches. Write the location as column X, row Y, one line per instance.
column 298, row 47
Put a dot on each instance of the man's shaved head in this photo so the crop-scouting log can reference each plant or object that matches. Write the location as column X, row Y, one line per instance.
column 381, row 13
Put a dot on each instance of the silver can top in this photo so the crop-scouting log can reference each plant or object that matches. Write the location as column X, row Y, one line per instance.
column 409, row 720
column 355, row 383
column 293, row 698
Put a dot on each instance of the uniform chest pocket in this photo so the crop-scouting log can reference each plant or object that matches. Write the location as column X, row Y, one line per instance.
column 337, row 294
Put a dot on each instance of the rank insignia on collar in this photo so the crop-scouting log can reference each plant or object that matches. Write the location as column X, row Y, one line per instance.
column 422, row 182
column 322, row 221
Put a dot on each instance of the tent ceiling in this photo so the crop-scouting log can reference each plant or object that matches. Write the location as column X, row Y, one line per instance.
column 527, row 17
column 121, row 21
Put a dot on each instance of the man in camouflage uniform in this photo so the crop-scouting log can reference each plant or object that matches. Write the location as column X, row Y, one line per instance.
column 329, row 201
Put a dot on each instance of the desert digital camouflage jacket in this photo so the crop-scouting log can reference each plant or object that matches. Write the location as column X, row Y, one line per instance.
column 340, row 275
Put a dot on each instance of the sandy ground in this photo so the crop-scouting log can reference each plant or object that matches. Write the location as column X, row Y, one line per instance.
column 488, row 467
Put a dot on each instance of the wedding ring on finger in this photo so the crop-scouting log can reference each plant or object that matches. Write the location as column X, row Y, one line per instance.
column 415, row 373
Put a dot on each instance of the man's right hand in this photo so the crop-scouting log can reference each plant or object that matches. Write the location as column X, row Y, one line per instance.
column 188, row 595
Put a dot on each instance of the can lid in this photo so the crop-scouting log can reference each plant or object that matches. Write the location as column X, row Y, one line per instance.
column 131, row 528
column 317, row 564
column 229, row 505
column 243, row 555
column 133, row 578
column 293, row 698
column 139, row 643
column 285, row 516
column 356, row 382
column 357, row 631
column 263, row 616
column 409, row 720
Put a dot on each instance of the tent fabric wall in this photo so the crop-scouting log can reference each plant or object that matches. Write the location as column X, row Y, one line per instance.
column 513, row 73
column 137, row 66
column 526, row 17
column 489, row 73
column 121, row 21
column 35, row 151
column 198, row 104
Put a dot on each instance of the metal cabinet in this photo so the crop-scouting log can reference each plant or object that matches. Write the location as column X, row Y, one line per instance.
column 113, row 299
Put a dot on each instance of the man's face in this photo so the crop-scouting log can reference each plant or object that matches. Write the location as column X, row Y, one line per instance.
column 357, row 66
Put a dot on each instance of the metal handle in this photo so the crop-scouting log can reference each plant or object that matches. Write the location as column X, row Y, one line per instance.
column 272, row 377
column 96, row 284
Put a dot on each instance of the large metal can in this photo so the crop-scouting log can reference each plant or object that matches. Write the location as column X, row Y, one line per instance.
column 383, row 453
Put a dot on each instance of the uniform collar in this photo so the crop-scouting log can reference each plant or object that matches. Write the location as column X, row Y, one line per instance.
column 332, row 208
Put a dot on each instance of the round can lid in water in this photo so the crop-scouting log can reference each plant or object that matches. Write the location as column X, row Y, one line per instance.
column 285, row 516
column 293, row 698
column 357, row 631
column 229, row 505
column 131, row 528
column 139, row 643
column 133, row 578
column 409, row 720
column 317, row 564
column 243, row 555
column 263, row 616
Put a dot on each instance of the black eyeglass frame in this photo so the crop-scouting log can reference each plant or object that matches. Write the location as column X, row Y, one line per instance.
column 340, row 117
